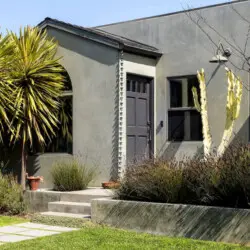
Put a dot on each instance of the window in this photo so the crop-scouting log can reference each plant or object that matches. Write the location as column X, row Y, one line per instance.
column 62, row 142
column 184, row 121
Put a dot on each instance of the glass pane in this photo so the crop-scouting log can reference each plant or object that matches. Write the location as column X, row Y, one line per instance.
column 68, row 84
column 176, row 125
column 192, row 82
column 133, row 86
column 138, row 87
column 195, row 126
column 128, row 85
column 175, row 93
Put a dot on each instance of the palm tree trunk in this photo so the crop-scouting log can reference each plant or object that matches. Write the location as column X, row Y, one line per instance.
column 24, row 163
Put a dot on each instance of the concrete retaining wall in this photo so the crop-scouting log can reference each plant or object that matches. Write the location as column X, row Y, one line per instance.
column 197, row 222
column 38, row 201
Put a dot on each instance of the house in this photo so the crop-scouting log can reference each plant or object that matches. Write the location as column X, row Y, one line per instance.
column 131, row 85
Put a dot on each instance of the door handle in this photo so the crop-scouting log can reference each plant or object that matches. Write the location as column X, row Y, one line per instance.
column 149, row 131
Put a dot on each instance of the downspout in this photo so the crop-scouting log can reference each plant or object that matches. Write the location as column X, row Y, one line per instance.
column 121, row 115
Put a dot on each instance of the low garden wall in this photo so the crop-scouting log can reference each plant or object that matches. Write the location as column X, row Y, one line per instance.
column 37, row 201
column 197, row 222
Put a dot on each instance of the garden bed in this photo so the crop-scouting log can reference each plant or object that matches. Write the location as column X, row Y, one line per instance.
column 175, row 220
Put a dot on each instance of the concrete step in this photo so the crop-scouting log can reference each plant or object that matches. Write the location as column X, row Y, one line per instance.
column 70, row 215
column 75, row 197
column 69, row 207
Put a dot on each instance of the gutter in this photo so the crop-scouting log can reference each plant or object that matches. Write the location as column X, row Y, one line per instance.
column 92, row 36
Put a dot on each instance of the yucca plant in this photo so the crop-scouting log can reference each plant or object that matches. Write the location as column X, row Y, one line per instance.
column 37, row 81
column 5, row 86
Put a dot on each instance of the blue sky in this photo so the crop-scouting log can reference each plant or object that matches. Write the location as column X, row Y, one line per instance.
column 16, row 13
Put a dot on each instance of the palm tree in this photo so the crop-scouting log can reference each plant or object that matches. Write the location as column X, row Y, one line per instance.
column 37, row 81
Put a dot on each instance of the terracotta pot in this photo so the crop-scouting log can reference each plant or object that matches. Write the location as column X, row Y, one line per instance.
column 110, row 185
column 34, row 182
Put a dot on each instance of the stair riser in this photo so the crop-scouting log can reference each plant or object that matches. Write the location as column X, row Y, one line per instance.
column 74, row 209
column 82, row 216
column 80, row 198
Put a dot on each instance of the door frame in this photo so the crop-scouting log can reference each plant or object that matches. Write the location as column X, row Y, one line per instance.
column 152, row 110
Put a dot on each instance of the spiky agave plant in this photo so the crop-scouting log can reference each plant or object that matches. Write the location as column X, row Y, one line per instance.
column 38, row 80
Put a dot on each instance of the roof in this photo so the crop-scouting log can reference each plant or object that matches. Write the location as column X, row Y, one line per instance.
column 176, row 12
column 101, row 36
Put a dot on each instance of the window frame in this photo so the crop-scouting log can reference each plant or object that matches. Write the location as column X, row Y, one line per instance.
column 65, row 94
column 42, row 151
column 187, row 111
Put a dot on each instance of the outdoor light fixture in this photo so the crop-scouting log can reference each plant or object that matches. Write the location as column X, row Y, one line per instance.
column 222, row 55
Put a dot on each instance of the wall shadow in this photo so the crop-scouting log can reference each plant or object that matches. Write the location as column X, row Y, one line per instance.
column 169, row 150
column 242, row 136
column 10, row 158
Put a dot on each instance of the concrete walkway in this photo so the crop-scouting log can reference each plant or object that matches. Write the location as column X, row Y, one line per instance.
column 29, row 231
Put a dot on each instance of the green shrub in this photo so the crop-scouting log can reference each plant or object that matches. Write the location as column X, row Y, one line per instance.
column 224, row 182
column 11, row 196
column 61, row 221
column 156, row 181
column 72, row 175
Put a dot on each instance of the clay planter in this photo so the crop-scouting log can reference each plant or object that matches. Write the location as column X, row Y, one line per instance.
column 34, row 182
column 110, row 185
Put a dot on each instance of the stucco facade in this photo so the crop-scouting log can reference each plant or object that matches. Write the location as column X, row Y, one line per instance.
column 98, row 61
column 186, row 48
column 93, row 71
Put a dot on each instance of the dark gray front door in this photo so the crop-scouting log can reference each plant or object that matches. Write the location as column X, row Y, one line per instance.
column 139, row 117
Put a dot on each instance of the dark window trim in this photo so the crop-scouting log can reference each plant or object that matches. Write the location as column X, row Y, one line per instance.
column 183, row 109
column 49, row 153
column 39, row 151
column 181, row 76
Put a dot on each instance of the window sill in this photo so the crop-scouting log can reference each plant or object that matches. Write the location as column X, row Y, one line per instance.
column 187, row 142
column 182, row 109
column 50, row 154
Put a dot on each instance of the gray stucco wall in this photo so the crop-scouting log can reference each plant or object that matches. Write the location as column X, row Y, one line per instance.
column 92, row 68
column 186, row 48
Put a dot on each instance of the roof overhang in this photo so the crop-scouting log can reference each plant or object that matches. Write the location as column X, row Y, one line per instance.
column 88, row 33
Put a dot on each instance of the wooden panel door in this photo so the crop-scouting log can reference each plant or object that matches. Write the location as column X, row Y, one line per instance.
column 139, row 118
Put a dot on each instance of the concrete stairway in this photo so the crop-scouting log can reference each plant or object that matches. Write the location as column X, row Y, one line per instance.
column 76, row 204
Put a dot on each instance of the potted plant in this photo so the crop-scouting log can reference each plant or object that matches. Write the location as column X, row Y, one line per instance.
column 110, row 185
column 34, row 181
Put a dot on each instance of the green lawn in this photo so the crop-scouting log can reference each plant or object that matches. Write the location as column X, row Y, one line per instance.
column 7, row 220
column 97, row 237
